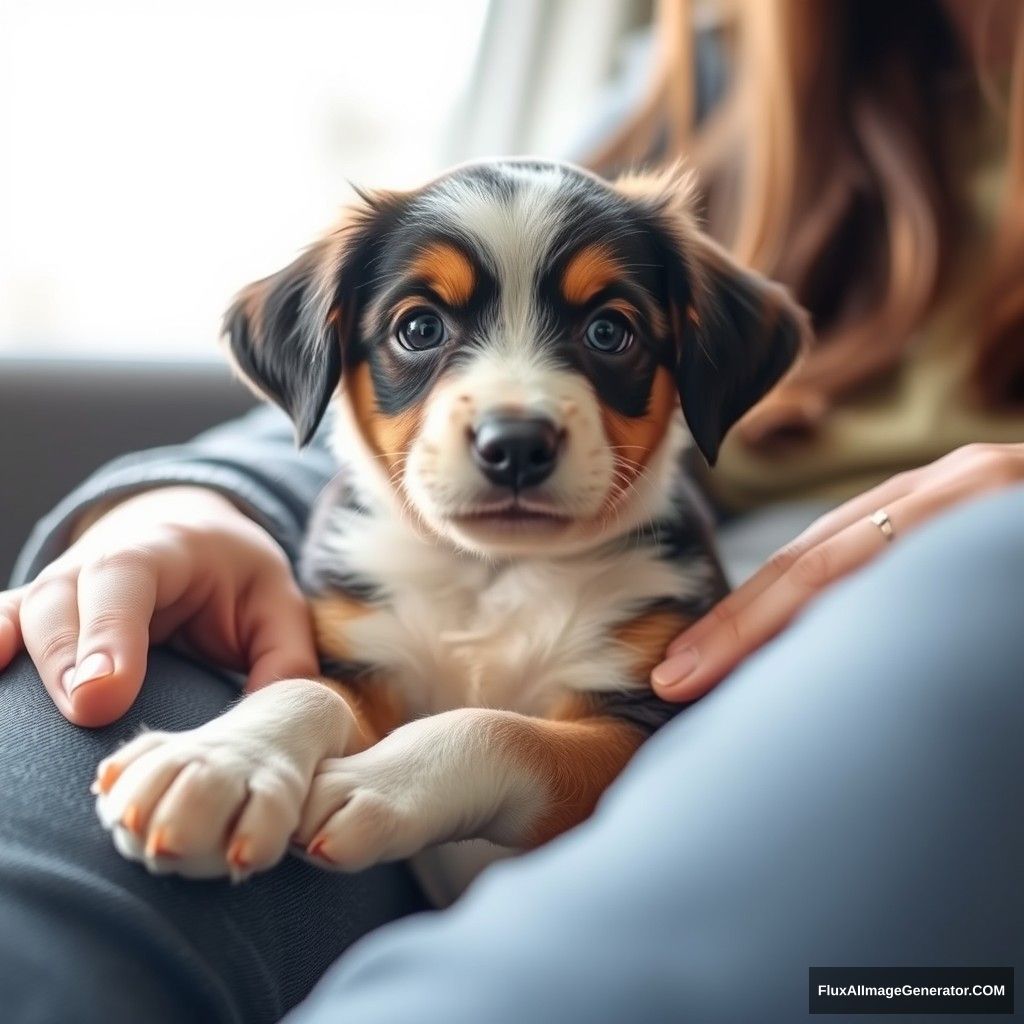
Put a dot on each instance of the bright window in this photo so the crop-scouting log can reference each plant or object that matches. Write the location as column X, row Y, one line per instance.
column 157, row 157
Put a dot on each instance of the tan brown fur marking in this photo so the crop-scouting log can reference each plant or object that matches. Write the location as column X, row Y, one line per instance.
column 647, row 636
column 572, row 706
column 375, row 705
column 590, row 271
column 633, row 439
column 575, row 759
column 390, row 437
column 447, row 270
column 331, row 615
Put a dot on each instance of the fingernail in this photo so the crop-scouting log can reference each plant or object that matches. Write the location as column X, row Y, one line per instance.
column 92, row 667
column 675, row 669
column 681, row 642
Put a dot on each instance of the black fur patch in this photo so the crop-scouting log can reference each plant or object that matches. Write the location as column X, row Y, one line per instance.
column 593, row 213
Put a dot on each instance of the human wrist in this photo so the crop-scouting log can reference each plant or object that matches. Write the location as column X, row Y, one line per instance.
column 188, row 497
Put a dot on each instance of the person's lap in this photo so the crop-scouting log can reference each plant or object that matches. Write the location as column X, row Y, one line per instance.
column 851, row 796
column 86, row 936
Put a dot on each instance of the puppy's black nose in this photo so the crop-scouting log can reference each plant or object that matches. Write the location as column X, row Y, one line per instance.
column 515, row 451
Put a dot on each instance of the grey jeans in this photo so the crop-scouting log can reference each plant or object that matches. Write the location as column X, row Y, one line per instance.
column 852, row 795
column 88, row 937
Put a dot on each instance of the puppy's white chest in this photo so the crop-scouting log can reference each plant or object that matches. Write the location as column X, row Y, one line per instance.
column 479, row 638
column 454, row 631
column 501, row 643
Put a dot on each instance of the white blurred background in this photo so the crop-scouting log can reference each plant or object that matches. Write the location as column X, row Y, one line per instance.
column 154, row 157
column 158, row 156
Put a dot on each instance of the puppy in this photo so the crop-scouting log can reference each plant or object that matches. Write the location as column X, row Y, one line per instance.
column 511, row 539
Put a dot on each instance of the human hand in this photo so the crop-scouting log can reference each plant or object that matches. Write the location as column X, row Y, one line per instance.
column 175, row 562
column 835, row 545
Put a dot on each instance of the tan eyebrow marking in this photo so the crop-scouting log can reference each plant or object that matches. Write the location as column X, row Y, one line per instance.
column 447, row 271
column 593, row 268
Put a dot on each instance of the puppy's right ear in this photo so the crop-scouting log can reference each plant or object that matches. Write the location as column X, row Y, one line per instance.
column 286, row 332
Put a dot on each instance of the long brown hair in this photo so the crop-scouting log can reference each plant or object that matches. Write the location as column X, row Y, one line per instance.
column 831, row 164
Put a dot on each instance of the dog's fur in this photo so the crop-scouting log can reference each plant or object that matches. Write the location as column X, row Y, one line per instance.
column 487, row 647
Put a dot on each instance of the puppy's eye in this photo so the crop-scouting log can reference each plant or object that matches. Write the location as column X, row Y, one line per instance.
column 421, row 331
column 609, row 333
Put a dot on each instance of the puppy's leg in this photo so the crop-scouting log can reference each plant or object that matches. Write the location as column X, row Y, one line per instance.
column 225, row 798
column 497, row 775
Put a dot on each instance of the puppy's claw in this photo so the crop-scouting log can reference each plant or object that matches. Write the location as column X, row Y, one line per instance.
column 157, row 845
column 239, row 858
column 317, row 848
column 107, row 775
column 239, row 853
column 132, row 819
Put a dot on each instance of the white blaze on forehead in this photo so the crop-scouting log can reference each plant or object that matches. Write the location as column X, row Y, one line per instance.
column 513, row 234
column 507, row 377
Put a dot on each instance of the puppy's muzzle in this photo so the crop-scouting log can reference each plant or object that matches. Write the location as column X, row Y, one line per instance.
column 515, row 451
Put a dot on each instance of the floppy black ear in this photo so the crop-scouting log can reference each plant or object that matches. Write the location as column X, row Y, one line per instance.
column 286, row 333
column 736, row 337
column 736, row 333
column 281, row 334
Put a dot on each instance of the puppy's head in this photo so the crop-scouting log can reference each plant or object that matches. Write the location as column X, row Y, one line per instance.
column 510, row 346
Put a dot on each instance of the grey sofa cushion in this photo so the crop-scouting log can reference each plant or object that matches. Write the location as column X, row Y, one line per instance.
column 60, row 419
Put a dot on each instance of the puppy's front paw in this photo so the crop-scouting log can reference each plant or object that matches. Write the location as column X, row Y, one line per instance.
column 357, row 816
column 429, row 781
column 223, row 799
column 199, row 805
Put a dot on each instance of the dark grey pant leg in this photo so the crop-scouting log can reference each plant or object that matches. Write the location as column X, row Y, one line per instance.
column 851, row 796
column 88, row 937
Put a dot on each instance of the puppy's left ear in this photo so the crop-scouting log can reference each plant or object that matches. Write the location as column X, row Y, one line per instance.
column 736, row 336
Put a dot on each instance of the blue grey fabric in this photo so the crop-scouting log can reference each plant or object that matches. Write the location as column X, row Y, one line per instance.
column 851, row 796
column 89, row 938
